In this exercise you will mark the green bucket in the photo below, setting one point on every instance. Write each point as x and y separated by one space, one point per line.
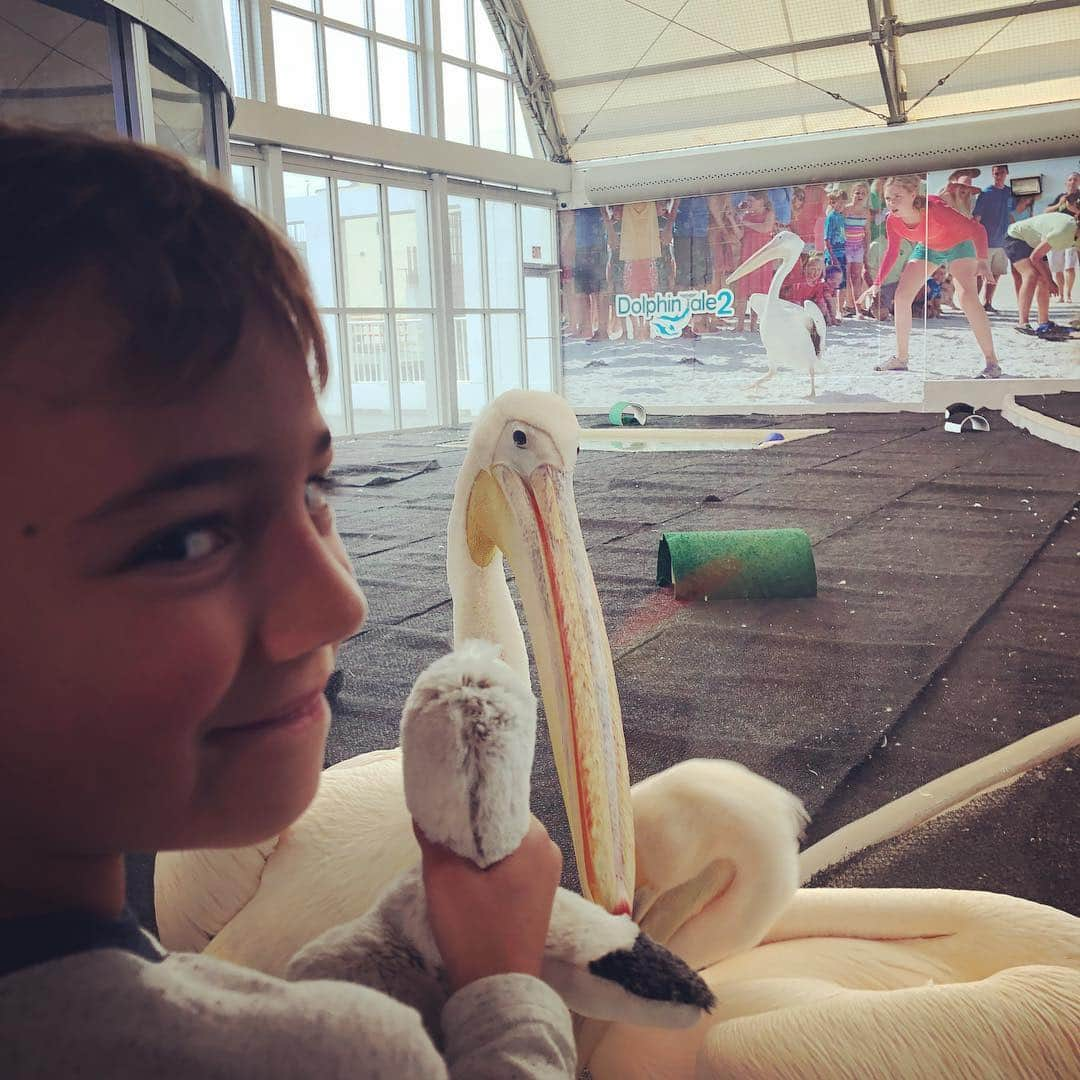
625 413
755 564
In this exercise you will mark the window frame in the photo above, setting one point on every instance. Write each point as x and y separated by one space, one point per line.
383 178
372 38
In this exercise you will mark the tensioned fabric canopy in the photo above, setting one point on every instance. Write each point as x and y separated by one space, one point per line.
645 76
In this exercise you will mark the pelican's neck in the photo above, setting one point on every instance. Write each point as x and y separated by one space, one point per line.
483 606
782 271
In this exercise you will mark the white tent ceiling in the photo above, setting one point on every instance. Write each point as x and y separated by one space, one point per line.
647 76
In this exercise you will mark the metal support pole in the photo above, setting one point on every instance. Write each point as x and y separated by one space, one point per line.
882 39
512 27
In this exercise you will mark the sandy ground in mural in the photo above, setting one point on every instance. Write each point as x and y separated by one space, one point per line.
716 369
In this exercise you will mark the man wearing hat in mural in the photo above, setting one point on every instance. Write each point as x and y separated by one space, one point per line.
994 208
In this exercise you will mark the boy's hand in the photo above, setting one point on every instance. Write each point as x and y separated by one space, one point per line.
493 921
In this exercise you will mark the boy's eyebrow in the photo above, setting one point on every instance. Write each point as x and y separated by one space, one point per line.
190 474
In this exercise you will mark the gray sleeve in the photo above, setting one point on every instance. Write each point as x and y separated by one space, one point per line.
508 1027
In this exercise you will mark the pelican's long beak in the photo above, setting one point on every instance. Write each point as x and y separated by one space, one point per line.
773 250
533 521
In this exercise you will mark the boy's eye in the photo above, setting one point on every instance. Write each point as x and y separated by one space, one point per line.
317 490
186 544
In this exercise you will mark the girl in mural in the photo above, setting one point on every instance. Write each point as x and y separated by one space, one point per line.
757 220
856 230
941 237
835 232
639 250
725 242
807 216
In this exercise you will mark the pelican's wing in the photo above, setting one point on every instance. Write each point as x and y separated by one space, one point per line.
816 326
1019 1022
757 303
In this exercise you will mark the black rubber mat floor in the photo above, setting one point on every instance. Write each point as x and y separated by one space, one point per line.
919 634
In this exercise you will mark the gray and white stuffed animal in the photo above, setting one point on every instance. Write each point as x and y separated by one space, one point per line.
468 732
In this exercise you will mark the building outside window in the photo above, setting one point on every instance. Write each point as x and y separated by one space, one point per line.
367 249
502 307
353 59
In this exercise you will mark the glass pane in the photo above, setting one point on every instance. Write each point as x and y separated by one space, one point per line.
455 28
295 62
331 403
307 5
347 75
410 254
457 110
539 355
55 66
505 353
369 373
536 241
243 184
416 364
466 278
361 244
522 143
399 99
180 90
234 33
489 52
396 18
350 11
537 307
503 265
469 360
491 112
307 221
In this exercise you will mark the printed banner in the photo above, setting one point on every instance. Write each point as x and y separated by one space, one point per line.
822 293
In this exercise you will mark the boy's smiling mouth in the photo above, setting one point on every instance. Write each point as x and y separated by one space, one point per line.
301 713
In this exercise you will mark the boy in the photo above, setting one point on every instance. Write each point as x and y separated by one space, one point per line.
175 592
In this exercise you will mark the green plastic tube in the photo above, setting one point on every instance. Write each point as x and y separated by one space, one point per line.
754 564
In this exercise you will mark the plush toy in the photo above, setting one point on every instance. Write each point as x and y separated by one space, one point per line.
467 736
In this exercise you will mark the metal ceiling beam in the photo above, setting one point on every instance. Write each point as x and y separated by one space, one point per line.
788 48
883 40
988 15
855 38
512 26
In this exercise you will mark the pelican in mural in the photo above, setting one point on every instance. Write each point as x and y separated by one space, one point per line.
793 334
809 982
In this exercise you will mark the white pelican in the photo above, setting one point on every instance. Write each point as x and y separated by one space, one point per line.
793 335
716 853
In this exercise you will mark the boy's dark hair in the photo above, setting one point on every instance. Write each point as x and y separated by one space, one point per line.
177 258
832 268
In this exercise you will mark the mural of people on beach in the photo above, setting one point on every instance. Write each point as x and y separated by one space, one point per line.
824 293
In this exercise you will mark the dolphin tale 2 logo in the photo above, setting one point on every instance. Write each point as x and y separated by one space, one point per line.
669 312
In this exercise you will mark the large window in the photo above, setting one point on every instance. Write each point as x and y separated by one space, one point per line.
182 96
502 317
55 67
355 59
366 246
480 104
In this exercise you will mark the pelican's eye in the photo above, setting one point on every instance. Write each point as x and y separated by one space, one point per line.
519 438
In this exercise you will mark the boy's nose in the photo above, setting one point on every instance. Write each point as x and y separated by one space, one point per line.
310 595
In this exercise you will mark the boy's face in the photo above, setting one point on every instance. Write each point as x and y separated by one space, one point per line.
150 642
